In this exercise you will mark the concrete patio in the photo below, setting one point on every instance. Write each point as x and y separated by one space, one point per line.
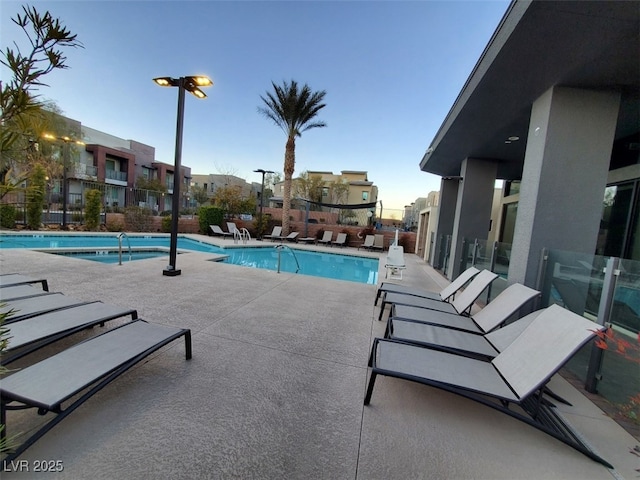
276 385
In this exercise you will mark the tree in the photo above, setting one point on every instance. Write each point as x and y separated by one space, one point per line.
17 97
339 191
293 110
309 187
199 194
152 184
24 118
229 198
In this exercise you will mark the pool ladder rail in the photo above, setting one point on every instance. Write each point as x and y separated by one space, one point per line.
241 235
279 248
120 236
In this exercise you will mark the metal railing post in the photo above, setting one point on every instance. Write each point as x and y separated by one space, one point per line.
611 274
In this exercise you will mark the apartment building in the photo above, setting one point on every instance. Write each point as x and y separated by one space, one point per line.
116 166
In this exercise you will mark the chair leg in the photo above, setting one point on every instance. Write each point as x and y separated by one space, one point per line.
384 304
372 380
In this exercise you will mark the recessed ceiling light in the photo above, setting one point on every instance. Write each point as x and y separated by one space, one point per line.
514 138
507 141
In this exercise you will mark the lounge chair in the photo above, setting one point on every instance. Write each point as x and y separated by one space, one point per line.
292 237
461 305
445 294
275 233
32 306
231 227
307 239
461 342
395 263
368 242
10 279
326 237
378 242
15 292
415 324
518 375
217 231
340 240
33 333
86 367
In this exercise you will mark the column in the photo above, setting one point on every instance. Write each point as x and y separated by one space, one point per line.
569 145
473 209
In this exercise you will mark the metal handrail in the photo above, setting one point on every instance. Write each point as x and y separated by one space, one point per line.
120 235
279 248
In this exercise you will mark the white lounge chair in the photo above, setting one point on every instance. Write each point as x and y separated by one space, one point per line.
326 237
518 375
217 231
340 240
461 305
275 233
378 242
406 319
368 242
445 294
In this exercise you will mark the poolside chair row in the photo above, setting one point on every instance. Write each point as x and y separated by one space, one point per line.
78 371
473 357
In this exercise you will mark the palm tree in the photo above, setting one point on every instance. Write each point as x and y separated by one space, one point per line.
293 110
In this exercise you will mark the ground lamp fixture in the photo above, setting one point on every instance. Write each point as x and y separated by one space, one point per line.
263 172
191 85
65 163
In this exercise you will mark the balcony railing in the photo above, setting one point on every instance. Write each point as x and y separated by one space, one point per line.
116 175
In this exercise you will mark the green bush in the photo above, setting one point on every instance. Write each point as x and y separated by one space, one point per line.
35 197
137 219
92 209
166 224
209 215
7 216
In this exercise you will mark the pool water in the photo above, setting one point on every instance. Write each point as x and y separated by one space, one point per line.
318 264
113 257
327 265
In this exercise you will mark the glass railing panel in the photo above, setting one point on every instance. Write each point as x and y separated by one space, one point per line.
482 254
620 366
502 259
574 281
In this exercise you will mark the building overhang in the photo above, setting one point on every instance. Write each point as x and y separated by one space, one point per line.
538 45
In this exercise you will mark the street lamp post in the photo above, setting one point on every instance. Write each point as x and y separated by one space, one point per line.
190 84
263 172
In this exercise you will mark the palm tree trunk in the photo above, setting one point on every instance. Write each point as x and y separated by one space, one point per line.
289 167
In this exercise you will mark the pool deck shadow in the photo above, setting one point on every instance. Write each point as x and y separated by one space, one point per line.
276 385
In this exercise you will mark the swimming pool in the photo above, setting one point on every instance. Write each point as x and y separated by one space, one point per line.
292 260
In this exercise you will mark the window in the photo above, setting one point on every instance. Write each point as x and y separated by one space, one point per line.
365 195
325 191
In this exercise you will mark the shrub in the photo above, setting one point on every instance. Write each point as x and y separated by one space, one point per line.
7 216
209 215
166 224
92 209
137 219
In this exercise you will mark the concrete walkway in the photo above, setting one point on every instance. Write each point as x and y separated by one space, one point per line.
276 385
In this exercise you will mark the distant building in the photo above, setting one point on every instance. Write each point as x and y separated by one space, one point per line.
361 190
213 182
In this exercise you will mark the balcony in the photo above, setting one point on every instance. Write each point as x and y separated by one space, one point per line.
85 172
115 177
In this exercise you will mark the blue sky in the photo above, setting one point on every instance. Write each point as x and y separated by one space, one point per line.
391 70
